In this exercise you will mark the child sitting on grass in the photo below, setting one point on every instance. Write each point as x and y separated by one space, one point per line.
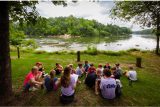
100 69
99 73
58 69
116 73
131 74
30 82
72 69
40 68
73 72
80 70
107 66
91 76
51 81
68 85
86 66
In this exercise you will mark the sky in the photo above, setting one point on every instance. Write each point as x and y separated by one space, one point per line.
99 11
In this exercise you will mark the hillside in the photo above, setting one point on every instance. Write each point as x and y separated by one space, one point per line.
72 26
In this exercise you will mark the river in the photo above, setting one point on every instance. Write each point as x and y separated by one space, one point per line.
143 42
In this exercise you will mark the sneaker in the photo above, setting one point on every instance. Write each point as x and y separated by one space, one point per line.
33 89
97 93
79 82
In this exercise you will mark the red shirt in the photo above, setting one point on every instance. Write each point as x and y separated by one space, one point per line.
91 69
28 77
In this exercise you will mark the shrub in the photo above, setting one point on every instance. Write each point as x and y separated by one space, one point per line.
133 50
91 50
40 52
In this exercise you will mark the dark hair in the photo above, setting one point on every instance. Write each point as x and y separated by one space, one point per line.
100 65
57 63
131 67
91 64
85 61
52 74
80 64
65 78
117 64
107 72
114 68
38 63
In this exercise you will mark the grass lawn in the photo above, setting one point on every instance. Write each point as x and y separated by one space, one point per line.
145 92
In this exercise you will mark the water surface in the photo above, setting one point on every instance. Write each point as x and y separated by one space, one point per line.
143 42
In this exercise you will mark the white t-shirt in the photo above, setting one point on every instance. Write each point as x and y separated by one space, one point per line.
132 75
101 70
68 91
108 87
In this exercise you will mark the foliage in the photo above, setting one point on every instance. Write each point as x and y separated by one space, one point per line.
16 36
146 31
30 43
144 12
25 11
72 26
133 50
91 50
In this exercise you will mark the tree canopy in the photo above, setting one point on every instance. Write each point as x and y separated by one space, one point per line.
145 31
146 13
73 26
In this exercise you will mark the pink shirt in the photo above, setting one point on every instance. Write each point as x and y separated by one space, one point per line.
28 77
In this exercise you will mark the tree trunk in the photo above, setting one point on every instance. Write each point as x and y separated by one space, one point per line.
5 62
18 52
158 33
157 47
78 56
138 62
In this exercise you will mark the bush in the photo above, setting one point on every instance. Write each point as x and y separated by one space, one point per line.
27 50
30 43
91 50
40 52
133 50
112 53
13 48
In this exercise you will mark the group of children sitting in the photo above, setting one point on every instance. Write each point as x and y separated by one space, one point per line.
105 79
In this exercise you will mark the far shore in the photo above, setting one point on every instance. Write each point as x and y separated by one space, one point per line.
65 36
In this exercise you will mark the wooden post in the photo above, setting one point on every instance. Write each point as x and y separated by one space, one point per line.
78 56
138 62
18 53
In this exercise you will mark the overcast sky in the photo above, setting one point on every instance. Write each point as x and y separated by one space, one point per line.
89 10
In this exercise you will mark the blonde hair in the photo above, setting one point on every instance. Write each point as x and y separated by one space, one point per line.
34 68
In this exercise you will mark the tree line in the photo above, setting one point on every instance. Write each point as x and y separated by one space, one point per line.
145 31
72 26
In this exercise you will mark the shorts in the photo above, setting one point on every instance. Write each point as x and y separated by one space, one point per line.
26 87
66 99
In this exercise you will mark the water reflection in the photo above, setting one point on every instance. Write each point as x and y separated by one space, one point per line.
81 43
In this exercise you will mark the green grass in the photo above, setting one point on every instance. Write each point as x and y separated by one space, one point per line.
145 92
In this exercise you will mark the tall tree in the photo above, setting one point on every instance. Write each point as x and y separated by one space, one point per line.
15 11
146 13
5 66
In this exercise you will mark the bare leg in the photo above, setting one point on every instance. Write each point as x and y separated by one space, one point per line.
97 87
